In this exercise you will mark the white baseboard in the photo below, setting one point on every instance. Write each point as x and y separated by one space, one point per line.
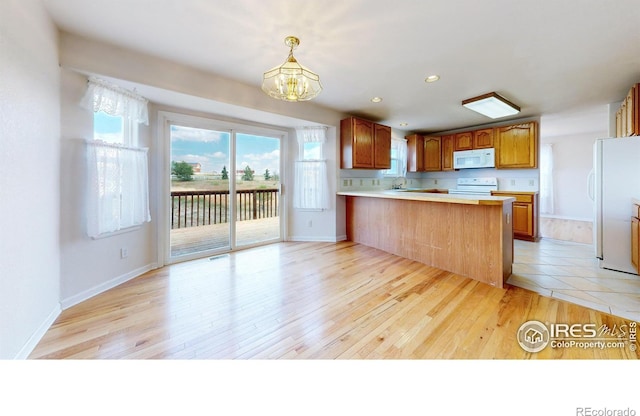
325 239
35 338
89 293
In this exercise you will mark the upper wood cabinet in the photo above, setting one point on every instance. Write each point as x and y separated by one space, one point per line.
415 153
463 141
423 153
364 144
628 115
477 139
483 139
382 146
447 145
432 154
517 145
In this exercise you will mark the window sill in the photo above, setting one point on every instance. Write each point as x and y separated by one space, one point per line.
114 233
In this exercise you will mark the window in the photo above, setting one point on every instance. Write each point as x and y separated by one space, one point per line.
311 187
114 129
118 196
398 159
546 178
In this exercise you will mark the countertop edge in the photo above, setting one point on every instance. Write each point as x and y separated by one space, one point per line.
441 198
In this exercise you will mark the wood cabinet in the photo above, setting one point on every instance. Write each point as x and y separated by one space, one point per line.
517 146
635 238
483 139
447 146
364 144
382 146
432 154
628 115
477 139
463 141
423 153
525 217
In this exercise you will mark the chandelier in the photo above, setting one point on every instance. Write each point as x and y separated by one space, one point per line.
291 81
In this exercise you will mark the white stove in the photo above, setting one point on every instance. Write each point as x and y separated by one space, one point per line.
475 186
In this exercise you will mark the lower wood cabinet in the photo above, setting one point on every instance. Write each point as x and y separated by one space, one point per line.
525 217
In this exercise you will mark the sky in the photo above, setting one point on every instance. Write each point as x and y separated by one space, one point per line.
209 148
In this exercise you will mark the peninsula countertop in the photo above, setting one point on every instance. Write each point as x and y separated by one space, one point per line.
412 195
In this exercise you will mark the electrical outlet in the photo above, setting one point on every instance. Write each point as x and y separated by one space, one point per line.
513 182
350 182
435 181
360 182
310 223
124 253
531 182
345 183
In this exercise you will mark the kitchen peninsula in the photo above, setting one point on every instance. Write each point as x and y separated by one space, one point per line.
468 235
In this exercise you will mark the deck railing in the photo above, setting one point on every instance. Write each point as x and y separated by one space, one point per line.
196 208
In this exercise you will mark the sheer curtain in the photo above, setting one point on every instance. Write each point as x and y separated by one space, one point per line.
311 186
118 178
398 158
118 188
546 178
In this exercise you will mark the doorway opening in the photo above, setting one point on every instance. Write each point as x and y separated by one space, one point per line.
224 188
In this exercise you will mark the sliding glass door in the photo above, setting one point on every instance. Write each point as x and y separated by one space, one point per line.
224 190
257 189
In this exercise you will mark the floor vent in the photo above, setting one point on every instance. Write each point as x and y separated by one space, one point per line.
218 257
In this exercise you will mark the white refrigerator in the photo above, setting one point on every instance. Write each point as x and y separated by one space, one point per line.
616 184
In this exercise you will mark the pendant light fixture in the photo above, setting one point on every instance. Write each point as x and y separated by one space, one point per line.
291 81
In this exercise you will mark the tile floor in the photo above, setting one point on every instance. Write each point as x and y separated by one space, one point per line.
569 271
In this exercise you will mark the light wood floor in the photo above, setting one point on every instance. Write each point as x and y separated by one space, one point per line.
310 301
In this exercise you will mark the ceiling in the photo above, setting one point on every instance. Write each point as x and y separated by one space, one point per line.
549 56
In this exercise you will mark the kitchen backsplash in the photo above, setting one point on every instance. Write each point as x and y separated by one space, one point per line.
508 180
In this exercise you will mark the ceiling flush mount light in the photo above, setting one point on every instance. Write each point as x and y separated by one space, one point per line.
491 105
376 99
431 78
291 81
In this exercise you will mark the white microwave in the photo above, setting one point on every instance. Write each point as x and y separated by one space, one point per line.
478 158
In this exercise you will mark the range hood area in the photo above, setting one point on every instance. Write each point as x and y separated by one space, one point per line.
474 159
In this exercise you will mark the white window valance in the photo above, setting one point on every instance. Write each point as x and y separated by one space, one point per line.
114 100
311 134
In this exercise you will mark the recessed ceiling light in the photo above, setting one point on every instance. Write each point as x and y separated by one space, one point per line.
376 99
404 124
432 78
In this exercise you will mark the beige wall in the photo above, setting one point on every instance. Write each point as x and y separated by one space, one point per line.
91 266
30 197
